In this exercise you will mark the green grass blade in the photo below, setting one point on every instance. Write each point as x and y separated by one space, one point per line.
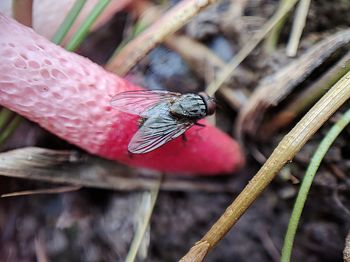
4 135
148 202
272 39
307 181
5 116
83 30
68 21
8 124
138 28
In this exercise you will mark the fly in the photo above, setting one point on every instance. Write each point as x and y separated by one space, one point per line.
164 115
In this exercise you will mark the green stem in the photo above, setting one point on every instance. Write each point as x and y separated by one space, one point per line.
10 128
148 202
138 28
68 21
307 181
272 39
5 116
83 30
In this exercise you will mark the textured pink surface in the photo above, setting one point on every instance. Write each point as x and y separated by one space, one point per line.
69 95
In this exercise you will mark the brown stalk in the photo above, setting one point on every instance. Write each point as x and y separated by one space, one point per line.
155 34
23 11
283 153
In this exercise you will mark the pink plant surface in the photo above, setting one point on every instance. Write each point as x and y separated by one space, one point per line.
70 96
48 15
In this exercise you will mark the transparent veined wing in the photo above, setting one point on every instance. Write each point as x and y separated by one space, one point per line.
139 101
156 131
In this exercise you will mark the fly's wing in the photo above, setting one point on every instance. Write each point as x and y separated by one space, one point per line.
157 131
139 101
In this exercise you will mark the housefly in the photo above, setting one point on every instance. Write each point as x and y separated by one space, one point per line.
164 115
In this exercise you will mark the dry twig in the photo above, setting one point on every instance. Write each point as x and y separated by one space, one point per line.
298 26
155 34
251 44
284 152
56 190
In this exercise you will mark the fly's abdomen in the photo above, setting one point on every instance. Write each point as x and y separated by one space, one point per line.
189 106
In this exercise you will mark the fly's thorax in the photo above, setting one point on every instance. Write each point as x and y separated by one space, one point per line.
189 106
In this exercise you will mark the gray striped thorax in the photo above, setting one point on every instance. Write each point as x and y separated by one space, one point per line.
189 106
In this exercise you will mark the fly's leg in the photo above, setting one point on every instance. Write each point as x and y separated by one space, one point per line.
199 129
141 121
184 138
130 155
199 124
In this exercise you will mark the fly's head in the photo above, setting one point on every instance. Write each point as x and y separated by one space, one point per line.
209 103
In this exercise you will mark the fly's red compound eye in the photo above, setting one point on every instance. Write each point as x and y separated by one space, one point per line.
209 103
211 106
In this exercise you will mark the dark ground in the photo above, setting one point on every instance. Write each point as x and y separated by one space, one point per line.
98 225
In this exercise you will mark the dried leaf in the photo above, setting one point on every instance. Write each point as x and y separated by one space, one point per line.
308 96
84 170
276 87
